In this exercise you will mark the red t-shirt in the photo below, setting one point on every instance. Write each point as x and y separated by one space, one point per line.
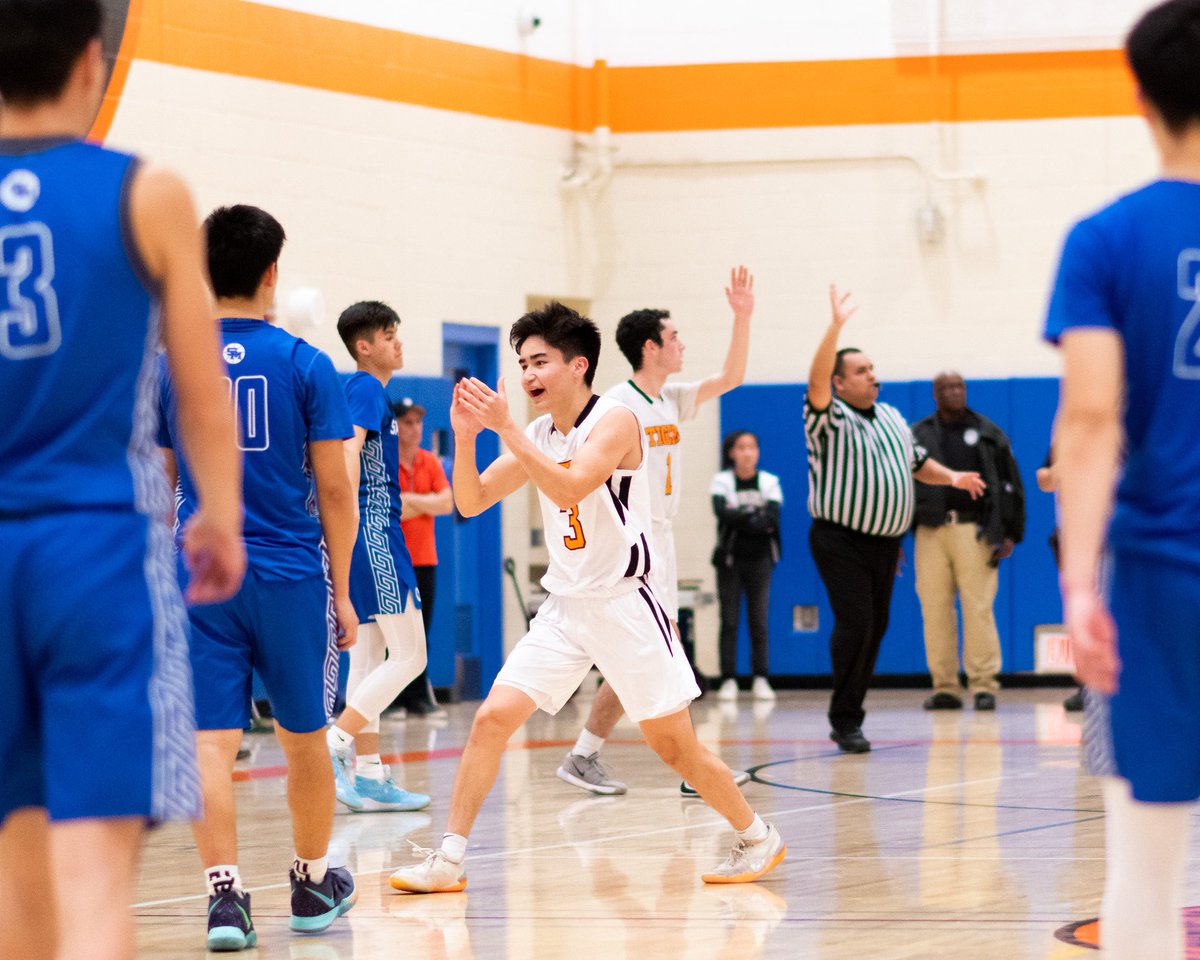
426 476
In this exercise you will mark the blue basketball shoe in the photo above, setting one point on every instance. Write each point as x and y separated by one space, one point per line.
343 781
229 924
386 794
316 905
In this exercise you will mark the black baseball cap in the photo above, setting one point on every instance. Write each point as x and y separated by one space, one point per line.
406 404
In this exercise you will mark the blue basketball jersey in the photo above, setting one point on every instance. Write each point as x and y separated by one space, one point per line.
286 395
1134 267
78 334
380 554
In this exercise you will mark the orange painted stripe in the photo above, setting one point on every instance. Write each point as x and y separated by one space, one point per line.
267 43
1010 86
116 83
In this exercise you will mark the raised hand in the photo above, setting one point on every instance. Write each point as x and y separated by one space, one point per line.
488 406
843 310
740 292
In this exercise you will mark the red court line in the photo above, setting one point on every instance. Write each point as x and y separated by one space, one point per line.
418 756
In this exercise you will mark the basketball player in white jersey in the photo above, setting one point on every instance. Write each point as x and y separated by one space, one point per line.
587 456
651 343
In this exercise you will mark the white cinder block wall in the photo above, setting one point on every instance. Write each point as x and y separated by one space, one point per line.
450 215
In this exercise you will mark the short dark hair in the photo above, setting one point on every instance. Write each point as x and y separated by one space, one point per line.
243 242
729 443
1163 50
635 329
359 321
839 363
40 43
569 332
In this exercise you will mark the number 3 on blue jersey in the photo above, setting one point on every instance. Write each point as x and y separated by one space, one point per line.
29 322
1187 343
249 397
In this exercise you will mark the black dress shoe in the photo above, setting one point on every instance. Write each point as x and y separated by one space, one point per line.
850 741
1074 703
985 701
942 701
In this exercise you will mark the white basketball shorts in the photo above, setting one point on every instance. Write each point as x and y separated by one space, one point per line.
629 639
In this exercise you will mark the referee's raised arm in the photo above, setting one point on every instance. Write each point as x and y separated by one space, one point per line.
820 374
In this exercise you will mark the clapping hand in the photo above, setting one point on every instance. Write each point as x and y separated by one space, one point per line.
488 406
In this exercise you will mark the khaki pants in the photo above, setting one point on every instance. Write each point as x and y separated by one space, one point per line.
951 560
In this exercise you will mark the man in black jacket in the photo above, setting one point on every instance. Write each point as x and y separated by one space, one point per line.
960 543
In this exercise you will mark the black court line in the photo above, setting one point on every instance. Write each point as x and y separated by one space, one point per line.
753 771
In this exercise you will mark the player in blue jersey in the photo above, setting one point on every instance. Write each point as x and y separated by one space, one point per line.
96 728
292 420
382 583
1126 313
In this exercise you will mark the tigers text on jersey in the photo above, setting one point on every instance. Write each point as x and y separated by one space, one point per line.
599 547
78 334
660 420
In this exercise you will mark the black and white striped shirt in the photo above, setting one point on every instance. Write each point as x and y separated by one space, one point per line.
860 467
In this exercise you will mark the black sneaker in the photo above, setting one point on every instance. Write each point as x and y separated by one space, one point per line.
985 701
850 740
942 701
1074 703
229 924
316 905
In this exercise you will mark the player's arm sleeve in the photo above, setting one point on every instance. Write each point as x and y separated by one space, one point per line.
685 396
328 414
1082 295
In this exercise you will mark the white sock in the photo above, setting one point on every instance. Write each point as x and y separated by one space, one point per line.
587 744
224 876
755 833
1147 846
370 766
339 740
454 847
313 869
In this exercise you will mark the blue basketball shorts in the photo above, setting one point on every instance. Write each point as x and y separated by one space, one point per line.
96 714
376 582
1151 725
285 630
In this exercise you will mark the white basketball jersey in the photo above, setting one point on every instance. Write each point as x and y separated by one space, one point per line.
600 546
660 419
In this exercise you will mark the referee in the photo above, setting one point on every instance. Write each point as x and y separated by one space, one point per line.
861 464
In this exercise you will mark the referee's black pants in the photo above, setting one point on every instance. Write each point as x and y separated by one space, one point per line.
859 571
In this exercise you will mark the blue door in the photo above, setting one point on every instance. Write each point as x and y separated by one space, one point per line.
475 581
